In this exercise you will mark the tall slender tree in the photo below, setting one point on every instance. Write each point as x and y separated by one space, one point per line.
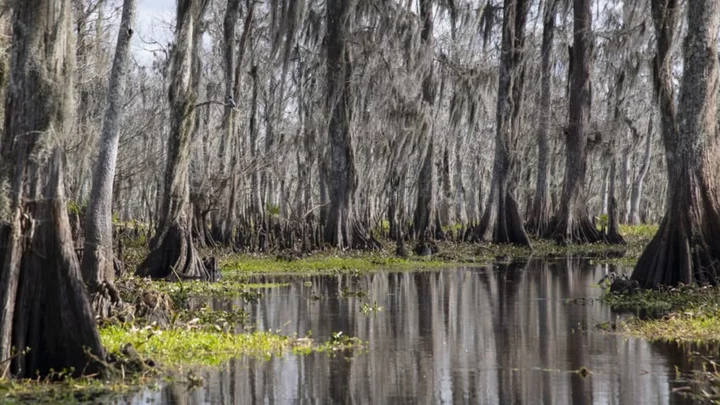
686 248
341 228
341 176
425 209
639 181
97 261
503 213
571 222
540 212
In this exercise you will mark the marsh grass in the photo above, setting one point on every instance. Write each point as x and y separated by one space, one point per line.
685 313
66 392
194 345
238 267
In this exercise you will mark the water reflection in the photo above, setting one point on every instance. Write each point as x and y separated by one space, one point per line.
513 333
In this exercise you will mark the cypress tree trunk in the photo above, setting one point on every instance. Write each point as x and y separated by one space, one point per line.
502 206
425 209
341 228
612 235
686 248
637 187
97 260
625 186
539 216
571 223
256 205
173 254
44 302
460 215
224 222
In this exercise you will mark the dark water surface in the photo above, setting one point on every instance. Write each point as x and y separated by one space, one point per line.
505 334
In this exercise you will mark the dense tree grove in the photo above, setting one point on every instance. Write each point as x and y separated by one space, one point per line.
406 135
306 124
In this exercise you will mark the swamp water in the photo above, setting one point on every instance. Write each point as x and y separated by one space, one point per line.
504 334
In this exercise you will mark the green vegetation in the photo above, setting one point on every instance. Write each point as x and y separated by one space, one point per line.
665 301
237 267
701 326
194 345
65 392
686 313
370 308
341 343
199 344
182 292
180 348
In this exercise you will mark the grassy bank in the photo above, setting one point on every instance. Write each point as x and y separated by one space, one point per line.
686 313
238 267
688 316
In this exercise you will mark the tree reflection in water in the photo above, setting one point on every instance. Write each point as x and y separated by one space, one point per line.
511 333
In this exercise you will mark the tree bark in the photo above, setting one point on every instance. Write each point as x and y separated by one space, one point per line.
686 248
540 212
224 223
508 225
341 228
571 223
173 254
604 191
97 259
637 187
41 287
445 213
256 207
625 173
425 208
460 215
612 235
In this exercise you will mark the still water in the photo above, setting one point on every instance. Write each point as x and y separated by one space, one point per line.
512 333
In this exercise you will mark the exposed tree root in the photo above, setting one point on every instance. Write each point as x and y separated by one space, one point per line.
362 241
154 307
400 250
509 225
482 231
613 237
680 253
176 258
579 230
426 246
538 222
105 301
